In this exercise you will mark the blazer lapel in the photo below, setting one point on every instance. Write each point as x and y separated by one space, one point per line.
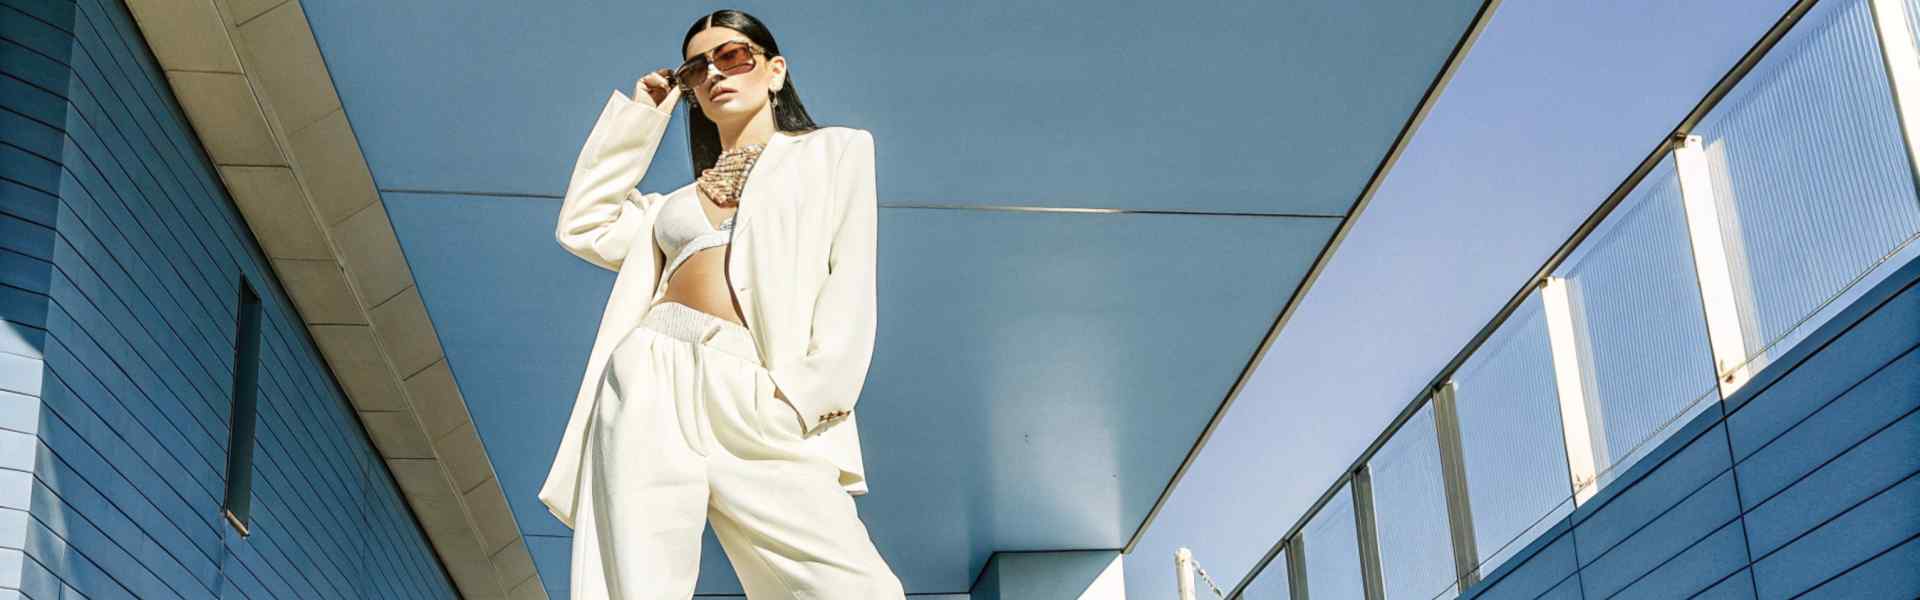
769 158
744 217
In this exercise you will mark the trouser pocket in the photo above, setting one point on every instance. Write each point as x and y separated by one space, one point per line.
775 417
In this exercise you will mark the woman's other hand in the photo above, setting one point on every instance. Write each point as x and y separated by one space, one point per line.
654 86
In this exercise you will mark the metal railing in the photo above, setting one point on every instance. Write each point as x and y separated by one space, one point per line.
1789 189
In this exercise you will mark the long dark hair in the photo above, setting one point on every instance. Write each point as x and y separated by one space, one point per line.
703 137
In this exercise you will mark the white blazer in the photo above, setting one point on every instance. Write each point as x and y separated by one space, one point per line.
802 266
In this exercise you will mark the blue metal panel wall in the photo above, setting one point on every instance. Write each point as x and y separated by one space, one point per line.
119 284
1808 482
32 62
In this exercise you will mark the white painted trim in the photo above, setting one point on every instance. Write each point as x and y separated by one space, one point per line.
1583 446
1724 332
1903 68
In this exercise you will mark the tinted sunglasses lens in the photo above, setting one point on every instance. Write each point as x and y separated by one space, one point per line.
734 58
692 72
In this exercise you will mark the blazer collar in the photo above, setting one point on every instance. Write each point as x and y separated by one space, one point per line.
782 137
768 159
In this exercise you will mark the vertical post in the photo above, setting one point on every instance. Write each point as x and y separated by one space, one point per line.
1297 567
1584 436
1717 293
1183 572
1369 533
1453 473
1903 70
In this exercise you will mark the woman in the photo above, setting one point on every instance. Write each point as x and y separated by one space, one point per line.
722 382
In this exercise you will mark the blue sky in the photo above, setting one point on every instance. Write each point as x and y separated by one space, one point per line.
1554 106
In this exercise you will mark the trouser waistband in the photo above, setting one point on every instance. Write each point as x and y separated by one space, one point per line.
694 326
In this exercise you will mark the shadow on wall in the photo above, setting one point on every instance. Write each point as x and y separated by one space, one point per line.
1084 574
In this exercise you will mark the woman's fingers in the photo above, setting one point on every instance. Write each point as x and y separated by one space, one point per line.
654 85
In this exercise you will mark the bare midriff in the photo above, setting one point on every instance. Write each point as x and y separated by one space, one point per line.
700 282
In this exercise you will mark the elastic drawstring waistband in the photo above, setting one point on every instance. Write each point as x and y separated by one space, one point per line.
693 326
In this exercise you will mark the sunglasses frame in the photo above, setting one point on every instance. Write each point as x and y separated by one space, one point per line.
678 77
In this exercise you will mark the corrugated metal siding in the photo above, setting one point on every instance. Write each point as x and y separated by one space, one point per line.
133 278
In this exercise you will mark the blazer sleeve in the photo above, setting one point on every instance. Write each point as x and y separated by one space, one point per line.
601 207
824 385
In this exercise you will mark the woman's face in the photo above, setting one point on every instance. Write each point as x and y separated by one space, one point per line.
741 95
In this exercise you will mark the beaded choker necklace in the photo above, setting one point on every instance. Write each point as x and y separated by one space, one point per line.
728 176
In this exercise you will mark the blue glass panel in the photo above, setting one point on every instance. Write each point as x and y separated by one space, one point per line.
1510 437
1638 322
1410 513
1333 551
1269 584
1811 176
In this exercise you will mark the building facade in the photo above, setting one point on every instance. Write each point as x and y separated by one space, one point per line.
134 303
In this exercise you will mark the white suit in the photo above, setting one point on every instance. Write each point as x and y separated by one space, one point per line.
802 266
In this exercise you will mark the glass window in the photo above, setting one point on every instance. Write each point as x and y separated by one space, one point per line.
1810 176
246 365
1410 512
1270 583
1510 438
1638 326
1333 550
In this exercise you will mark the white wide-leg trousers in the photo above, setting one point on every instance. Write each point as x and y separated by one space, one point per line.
687 430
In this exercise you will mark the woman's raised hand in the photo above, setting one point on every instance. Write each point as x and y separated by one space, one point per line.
654 86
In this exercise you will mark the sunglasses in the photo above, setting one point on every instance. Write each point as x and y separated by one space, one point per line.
731 58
